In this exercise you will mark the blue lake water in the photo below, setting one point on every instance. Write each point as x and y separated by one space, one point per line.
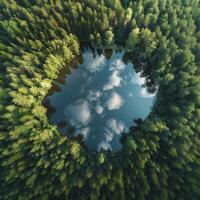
100 99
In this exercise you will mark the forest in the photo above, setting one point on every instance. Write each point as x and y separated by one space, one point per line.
160 157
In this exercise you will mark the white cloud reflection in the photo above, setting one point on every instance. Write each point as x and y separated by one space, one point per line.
94 64
117 64
116 126
136 79
144 93
113 128
108 135
104 145
114 102
85 132
114 81
130 94
94 95
80 113
99 109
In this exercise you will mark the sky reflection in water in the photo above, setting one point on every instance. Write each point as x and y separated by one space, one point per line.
101 99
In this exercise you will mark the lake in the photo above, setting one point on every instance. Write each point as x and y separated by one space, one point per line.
98 99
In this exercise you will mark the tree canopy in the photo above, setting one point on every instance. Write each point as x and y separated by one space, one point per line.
160 157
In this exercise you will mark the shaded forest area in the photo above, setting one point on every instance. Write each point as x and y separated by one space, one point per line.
159 160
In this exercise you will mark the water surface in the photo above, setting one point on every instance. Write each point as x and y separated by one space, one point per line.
100 99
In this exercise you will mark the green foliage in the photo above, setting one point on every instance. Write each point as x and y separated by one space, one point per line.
101 158
109 38
148 41
130 144
159 158
133 39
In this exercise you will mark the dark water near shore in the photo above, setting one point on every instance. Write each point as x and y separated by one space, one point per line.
99 99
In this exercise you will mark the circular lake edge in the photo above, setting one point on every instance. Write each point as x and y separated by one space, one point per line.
78 60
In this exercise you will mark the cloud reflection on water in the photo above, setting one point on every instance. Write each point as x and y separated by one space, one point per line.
101 98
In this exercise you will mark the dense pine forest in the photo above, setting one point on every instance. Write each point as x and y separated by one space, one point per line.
160 157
